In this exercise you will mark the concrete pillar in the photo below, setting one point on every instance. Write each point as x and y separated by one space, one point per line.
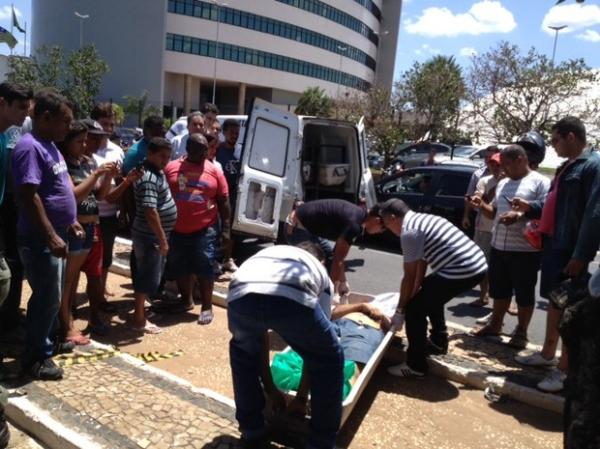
241 98
187 94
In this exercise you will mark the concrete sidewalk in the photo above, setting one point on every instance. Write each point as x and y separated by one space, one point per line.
121 403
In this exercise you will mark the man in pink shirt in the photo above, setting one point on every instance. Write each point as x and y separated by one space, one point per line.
201 195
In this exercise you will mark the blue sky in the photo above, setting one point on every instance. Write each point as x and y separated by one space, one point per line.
460 27
23 10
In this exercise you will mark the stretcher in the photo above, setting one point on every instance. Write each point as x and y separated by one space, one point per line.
358 387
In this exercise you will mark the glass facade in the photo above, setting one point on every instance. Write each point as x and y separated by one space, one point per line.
244 55
372 7
329 12
235 17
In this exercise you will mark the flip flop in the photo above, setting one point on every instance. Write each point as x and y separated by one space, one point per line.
485 331
479 303
206 317
148 328
513 310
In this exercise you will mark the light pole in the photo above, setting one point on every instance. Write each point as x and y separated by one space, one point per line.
82 17
218 4
556 31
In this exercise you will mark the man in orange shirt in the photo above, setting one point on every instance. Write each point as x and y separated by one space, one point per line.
201 195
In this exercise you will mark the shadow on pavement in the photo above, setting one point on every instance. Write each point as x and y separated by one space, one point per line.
534 417
430 389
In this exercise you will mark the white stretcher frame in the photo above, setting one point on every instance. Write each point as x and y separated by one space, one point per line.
366 374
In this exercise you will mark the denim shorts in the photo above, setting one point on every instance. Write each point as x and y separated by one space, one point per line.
193 253
80 246
359 342
150 264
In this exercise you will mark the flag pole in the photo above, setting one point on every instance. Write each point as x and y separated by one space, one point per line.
12 23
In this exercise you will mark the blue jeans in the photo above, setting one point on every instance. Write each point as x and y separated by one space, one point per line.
45 274
310 334
150 264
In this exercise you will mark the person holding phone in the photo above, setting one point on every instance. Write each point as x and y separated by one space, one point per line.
514 262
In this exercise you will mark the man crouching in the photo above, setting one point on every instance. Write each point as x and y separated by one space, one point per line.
285 289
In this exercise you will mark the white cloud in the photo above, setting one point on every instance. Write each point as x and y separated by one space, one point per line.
427 49
486 16
467 52
590 36
6 13
575 16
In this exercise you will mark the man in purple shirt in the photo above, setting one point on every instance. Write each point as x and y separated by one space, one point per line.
47 211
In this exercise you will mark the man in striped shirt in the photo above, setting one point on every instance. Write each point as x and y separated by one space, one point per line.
155 217
457 265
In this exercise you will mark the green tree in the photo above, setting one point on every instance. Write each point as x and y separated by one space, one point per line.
119 113
83 79
314 101
381 119
429 96
79 78
509 93
138 107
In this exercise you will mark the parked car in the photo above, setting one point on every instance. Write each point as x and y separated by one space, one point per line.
438 189
477 155
412 155
126 136
375 160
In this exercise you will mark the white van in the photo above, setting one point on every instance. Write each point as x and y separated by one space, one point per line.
285 158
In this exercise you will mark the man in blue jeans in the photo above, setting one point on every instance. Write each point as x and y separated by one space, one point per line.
285 289
47 211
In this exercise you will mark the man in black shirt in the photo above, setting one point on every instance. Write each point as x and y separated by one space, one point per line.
336 220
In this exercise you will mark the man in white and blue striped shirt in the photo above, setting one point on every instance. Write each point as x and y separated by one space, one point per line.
457 265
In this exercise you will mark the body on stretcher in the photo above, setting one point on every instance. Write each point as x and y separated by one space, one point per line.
362 377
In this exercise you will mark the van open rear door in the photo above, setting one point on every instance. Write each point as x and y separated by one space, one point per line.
367 186
271 138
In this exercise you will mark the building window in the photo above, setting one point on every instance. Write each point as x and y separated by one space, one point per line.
203 47
255 22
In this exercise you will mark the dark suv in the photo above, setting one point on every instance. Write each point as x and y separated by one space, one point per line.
437 189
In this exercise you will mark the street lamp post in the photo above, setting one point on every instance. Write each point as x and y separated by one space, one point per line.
218 4
556 29
81 17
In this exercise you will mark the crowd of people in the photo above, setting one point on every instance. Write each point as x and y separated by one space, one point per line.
66 188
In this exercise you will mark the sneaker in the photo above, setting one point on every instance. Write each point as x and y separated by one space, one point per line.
403 370
230 266
484 319
535 359
45 370
4 432
553 382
